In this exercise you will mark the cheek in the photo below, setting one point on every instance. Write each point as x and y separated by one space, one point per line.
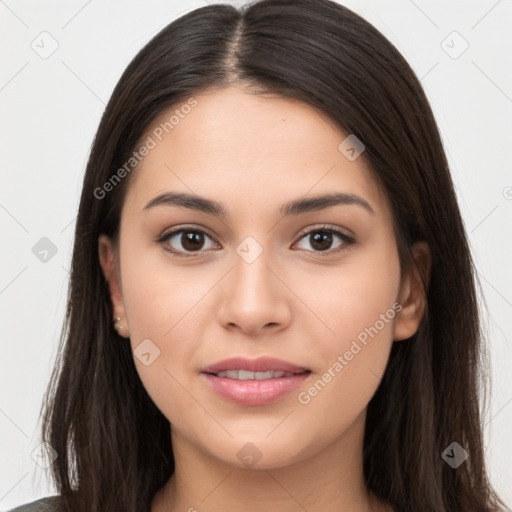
162 304
358 304
351 299
160 295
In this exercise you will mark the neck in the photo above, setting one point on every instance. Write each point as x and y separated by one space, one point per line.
331 479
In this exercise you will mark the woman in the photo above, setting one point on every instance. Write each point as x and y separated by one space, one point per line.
272 302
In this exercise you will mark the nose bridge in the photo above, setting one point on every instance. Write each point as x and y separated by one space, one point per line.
253 296
252 261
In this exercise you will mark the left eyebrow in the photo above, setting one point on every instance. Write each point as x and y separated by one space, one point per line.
295 207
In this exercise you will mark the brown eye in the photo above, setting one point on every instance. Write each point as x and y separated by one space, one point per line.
183 241
192 240
322 239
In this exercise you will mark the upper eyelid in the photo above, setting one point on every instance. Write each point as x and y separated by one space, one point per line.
174 231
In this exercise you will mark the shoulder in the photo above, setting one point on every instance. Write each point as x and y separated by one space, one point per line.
48 504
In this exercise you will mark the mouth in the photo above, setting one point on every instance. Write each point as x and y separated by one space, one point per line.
248 375
262 364
254 382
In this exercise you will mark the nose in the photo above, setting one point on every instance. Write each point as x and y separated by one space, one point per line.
253 297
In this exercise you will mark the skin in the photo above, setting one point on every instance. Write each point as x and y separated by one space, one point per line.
253 154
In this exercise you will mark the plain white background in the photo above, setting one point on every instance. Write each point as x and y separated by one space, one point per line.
50 111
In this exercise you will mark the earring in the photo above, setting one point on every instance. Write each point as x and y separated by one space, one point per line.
117 325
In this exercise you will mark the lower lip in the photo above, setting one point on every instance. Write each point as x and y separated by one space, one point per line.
255 392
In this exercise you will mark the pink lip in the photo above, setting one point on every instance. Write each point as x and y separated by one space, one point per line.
254 392
261 364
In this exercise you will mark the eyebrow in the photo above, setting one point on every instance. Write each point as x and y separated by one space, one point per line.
295 207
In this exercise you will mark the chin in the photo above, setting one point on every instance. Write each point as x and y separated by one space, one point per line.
261 453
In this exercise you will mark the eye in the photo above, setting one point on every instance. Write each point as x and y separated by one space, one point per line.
191 240
321 240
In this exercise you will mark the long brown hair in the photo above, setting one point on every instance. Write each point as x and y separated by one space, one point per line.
113 444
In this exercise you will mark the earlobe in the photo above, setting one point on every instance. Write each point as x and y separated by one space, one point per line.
413 293
108 259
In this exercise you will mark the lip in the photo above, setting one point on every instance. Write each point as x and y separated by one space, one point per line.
254 392
261 364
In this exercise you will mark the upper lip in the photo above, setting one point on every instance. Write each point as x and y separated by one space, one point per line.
261 364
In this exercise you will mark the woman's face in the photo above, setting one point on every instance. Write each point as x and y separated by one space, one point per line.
257 283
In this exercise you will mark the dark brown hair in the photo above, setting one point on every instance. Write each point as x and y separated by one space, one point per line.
113 444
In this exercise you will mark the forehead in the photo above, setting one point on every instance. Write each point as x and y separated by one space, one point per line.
248 149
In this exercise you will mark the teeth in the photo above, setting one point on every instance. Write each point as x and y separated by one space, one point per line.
246 375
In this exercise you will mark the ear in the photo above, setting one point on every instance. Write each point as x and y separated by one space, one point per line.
412 295
109 261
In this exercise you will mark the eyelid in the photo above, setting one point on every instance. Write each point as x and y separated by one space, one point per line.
325 227
186 227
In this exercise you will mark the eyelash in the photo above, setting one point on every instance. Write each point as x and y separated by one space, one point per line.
347 240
